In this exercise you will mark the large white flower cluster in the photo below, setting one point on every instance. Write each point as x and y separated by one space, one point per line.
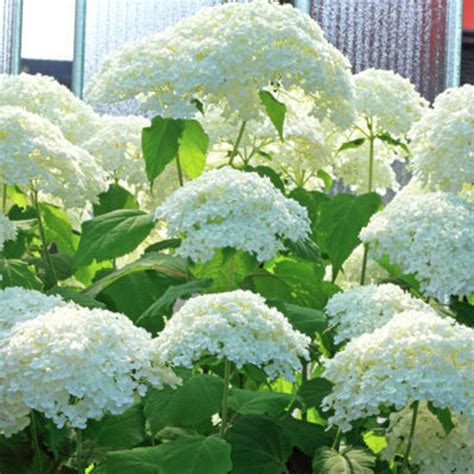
117 148
231 208
417 355
443 142
74 364
237 326
429 235
432 450
390 101
361 310
197 59
44 96
34 151
7 230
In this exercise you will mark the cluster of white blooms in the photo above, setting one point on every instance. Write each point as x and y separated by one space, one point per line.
34 151
75 364
197 59
361 310
417 355
352 166
432 450
231 208
44 96
429 235
443 142
117 148
390 101
349 276
7 230
307 146
237 326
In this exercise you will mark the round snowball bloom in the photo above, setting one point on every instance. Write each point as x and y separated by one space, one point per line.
44 96
7 230
389 100
434 451
429 235
237 326
231 208
417 355
74 364
34 151
117 148
361 310
227 54
442 142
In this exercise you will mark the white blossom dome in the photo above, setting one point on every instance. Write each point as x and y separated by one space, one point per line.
361 310
237 326
434 451
7 230
74 364
33 150
429 235
417 355
442 142
196 59
44 96
118 150
389 100
231 208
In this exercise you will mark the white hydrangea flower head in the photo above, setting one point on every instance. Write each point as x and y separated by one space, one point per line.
352 166
196 59
442 142
389 100
117 148
231 208
33 150
361 310
7 230
44 96
417 355
432 450
74 364
237 326
429 235
349 276
14 414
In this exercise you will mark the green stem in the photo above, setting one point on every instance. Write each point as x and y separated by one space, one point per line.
180 172
4 199
304 378
336 439
225 397
237 142
35 442
410 439
80 468
47 255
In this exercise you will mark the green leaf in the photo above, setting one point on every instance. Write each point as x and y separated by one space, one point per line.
193 146
199 105
348 461
160 143
117 432
16 455
152 318
58 229
163 245
306 320
321 174
259 446
18 273
62 265
275 109
339 222
387 138
267 172
114 198
74 295
195 455
313 391
352 144
188 405
444 417
464 312
227 269
305 249
172 267
112 235
134 461
375 442
248 402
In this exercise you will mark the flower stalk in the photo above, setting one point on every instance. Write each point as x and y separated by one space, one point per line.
406 456
225 397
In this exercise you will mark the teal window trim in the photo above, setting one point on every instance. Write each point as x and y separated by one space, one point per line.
79 47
